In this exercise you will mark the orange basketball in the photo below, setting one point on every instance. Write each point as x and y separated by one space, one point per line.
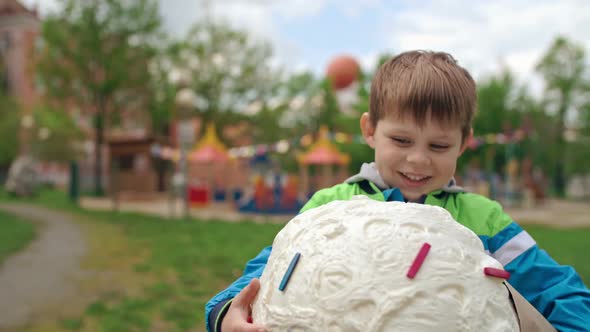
342 71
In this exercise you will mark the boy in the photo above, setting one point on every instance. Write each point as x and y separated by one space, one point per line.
421 108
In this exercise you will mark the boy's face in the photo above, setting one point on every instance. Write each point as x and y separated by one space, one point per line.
417 160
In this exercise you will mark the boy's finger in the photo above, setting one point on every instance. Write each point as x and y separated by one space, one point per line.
246 297
254 328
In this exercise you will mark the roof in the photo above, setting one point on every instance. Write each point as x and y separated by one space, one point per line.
323 152
209 148
13 8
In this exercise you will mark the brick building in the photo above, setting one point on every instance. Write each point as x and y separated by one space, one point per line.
19 35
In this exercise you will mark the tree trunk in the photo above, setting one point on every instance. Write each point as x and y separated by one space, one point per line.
559 180
98 142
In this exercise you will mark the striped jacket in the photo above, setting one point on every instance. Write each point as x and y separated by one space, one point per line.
556 291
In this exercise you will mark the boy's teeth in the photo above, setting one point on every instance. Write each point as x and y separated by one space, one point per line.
415 178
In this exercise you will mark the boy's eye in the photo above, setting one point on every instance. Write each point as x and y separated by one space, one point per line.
401 140
439 147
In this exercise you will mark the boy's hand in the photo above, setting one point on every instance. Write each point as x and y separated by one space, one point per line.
236 318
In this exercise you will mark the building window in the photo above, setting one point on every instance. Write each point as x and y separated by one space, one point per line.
5 85
126 162
5 42
4 81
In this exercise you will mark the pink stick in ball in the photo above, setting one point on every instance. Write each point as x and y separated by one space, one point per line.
418 261
498 273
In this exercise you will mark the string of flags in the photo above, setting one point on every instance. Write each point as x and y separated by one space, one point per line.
501 138
285 145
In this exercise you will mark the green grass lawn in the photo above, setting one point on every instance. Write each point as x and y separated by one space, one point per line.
566 246
189 262
15 234
177 265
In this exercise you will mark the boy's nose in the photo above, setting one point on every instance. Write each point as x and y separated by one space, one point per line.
418 157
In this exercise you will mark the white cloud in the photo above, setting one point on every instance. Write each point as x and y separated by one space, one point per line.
257 17
483 36
291 9
368 61
44 6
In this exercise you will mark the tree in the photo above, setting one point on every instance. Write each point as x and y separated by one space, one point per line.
161 96
227 69
95 56
302 99
495 113
578 150
9 116
9 127
495 104
55 136
563 69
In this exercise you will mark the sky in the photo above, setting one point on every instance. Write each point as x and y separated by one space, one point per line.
484 36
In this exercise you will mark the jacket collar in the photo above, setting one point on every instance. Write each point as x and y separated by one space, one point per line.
369 172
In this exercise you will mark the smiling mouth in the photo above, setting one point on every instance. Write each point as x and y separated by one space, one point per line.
417 179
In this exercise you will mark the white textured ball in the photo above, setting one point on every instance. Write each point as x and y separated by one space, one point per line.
352 273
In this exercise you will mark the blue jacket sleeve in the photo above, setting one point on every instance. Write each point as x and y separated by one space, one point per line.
252 270
556 291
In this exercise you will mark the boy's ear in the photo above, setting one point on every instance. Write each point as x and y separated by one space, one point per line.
368 130
466 141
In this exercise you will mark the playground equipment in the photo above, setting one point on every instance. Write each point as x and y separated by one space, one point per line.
271 190
210 168
518 181
323 155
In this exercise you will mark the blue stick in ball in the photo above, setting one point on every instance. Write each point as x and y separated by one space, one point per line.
290 269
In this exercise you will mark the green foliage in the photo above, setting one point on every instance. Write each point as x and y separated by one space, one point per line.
495 107
55 136
578 157
9 118
97 49
564 69
227 68
499 110
15 234
303 98
359 153
95 55
541 145
161 98
9 127
330 112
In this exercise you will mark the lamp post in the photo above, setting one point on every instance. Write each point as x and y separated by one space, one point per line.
185 101
27 125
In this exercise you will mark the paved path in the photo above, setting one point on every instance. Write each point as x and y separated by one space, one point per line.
162 207
42 273
557 213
